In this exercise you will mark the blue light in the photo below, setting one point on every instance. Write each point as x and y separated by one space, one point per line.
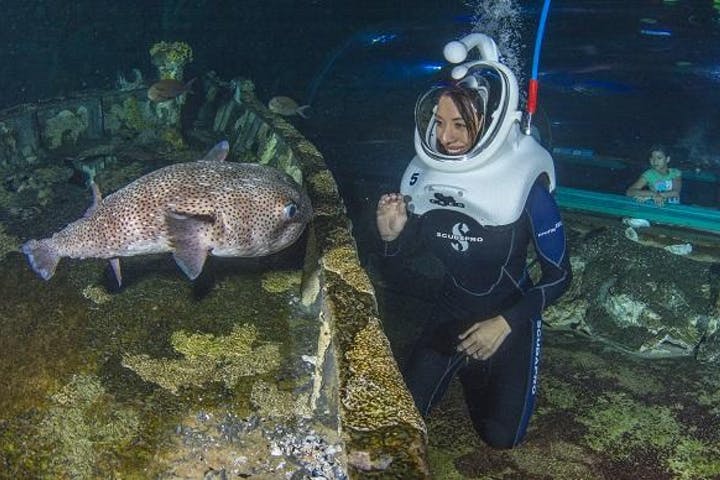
431 67
652 32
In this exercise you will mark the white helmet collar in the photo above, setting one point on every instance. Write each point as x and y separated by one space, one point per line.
497 90
490 183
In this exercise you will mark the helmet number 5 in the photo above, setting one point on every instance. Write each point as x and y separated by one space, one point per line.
414 178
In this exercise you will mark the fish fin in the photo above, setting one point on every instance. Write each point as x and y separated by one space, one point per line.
218 153
188 85
305 111
190 247
97 198
42 257
115 265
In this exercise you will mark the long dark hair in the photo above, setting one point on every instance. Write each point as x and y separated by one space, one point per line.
469 104
658 147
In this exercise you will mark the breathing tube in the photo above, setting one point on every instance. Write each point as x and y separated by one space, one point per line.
533 83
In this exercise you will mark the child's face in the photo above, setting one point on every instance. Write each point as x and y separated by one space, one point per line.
658 160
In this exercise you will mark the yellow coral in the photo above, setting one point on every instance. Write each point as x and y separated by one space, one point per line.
207 358
170 58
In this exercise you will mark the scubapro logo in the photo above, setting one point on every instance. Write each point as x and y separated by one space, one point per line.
445 201
460 240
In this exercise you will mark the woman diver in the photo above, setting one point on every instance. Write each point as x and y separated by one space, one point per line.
477 194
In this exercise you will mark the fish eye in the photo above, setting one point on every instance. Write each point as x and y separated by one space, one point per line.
290 210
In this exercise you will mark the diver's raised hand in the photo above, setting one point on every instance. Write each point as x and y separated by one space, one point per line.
391 216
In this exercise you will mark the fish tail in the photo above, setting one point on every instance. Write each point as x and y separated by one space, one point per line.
42 257
304 111
188 85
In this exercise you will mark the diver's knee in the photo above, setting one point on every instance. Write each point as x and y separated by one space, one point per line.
500 437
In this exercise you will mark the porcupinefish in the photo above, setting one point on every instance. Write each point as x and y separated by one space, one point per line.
191 209
288 107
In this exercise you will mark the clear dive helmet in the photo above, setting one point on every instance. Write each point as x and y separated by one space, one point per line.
487 87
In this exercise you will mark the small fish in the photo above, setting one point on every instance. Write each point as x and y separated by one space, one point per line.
288 107
167 89
191 209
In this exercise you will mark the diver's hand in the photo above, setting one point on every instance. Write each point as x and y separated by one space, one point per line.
483 339
391 216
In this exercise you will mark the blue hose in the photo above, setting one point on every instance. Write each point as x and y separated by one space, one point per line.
532 95
539 39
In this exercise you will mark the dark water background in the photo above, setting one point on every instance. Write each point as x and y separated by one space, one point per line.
616 76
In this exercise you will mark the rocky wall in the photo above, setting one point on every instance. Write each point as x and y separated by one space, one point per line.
383 432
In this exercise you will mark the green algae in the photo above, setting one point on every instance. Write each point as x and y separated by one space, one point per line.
710 399
207 358
84 424
631 375
557 394
556 460
96 294
269 151
8 243
635 380
58 330
620 426
443 466
695 460
281 281
584 361
271 402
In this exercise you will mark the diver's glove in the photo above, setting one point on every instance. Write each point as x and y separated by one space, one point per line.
482 340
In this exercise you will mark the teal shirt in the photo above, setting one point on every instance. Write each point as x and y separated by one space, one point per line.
657 182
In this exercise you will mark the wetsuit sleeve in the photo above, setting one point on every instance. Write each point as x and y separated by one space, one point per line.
407 242
548 235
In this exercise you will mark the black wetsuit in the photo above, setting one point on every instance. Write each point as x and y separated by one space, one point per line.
485 276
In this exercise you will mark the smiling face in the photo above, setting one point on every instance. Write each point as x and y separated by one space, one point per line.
454 134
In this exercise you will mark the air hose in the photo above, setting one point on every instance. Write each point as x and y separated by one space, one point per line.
533 83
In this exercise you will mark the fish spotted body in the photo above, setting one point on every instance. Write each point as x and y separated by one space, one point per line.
191 209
